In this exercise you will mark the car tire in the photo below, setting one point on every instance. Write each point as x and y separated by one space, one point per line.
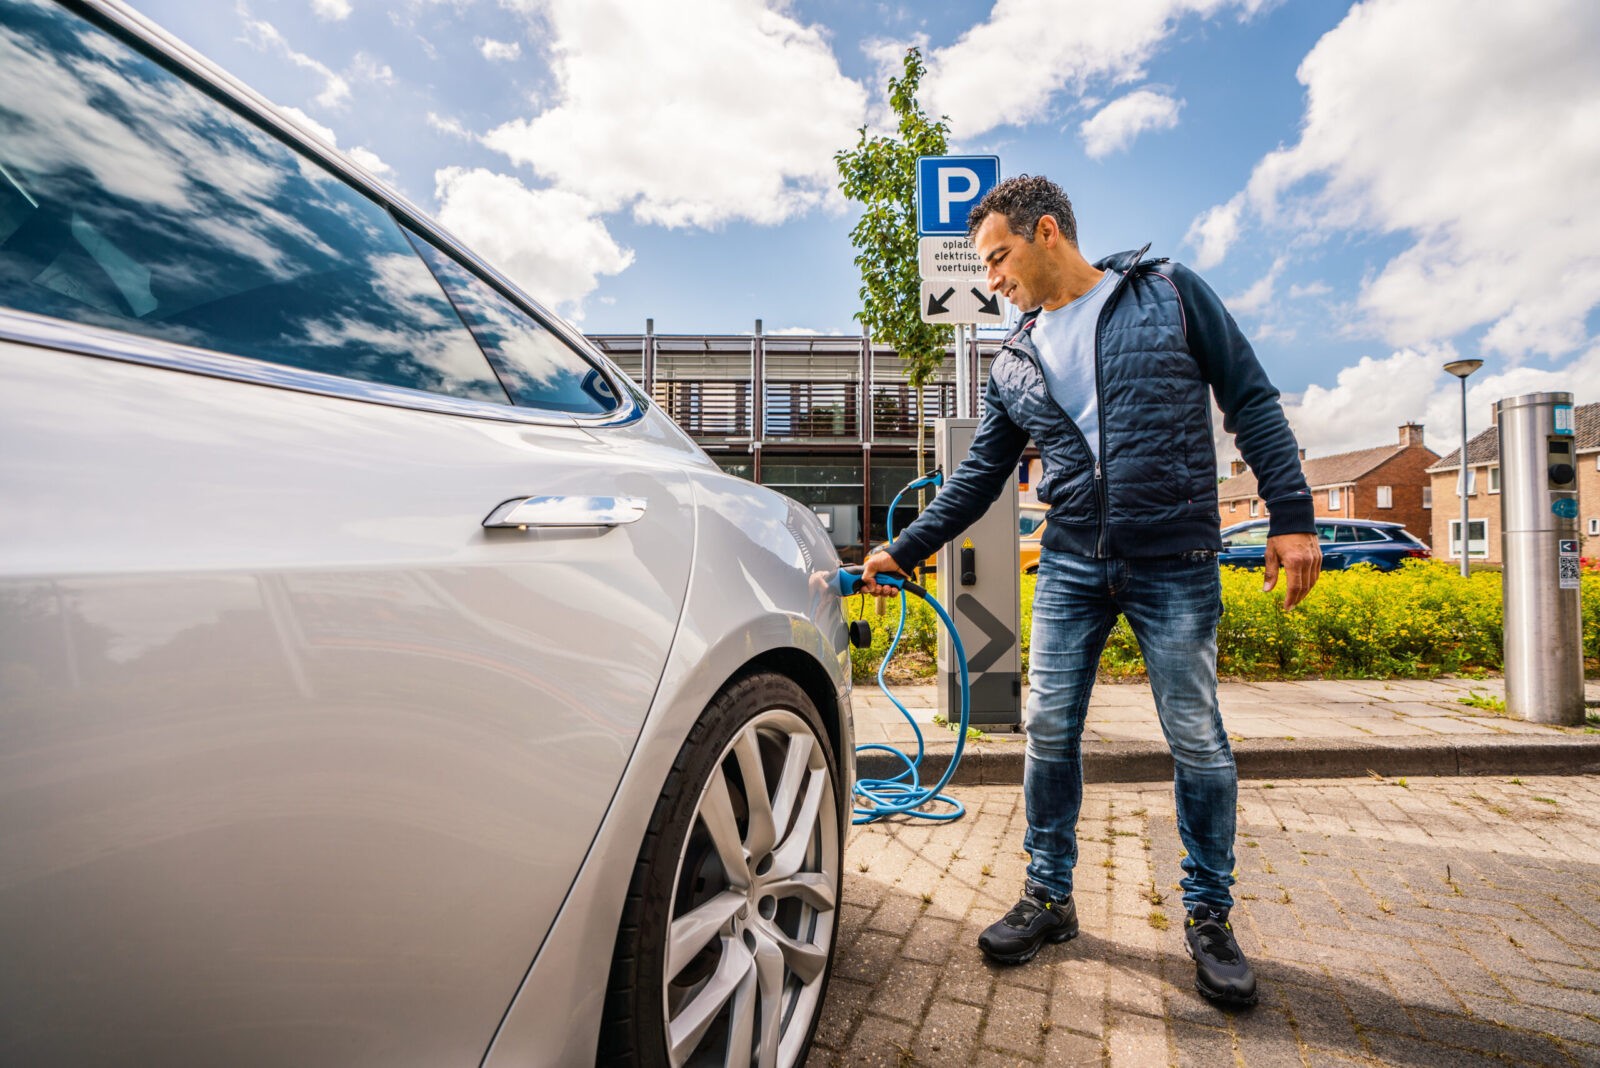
728 930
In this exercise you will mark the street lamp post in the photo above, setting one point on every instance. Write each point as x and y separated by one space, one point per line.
1461 369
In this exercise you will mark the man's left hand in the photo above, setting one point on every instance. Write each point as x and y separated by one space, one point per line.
1301 557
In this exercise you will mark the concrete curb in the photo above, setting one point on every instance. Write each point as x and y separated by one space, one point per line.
1267 758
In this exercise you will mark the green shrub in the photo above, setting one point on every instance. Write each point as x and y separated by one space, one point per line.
1421 621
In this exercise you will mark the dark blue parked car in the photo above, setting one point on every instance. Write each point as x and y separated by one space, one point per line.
1344 542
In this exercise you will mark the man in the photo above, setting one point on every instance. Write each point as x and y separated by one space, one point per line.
1108 373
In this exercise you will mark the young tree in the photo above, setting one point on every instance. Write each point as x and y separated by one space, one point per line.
880 173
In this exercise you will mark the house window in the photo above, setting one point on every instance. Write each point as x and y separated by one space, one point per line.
1233 506
1494 479
1594 526
1427 496
1255 508
1472 482
1385 496
1334 500
1477 538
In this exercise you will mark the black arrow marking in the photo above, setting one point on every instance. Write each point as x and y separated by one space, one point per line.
936 304
990 304
1000 637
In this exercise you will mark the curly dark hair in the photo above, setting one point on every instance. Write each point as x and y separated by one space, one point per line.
1024 200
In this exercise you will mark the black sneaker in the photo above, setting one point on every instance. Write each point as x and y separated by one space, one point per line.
1033 921
1220 971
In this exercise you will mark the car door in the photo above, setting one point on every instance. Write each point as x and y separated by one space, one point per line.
298 758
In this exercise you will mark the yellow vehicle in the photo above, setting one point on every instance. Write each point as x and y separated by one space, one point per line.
1030 528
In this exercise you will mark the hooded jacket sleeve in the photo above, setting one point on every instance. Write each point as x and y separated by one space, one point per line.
970 489
1249 402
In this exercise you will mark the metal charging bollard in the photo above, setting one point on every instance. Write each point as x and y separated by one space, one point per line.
980 586
1539 542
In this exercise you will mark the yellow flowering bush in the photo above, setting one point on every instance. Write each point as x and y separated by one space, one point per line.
1421 621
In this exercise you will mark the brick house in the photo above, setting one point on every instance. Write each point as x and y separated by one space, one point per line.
1483 492
1388 483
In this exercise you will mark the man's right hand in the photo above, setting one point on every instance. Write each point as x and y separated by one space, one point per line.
880 562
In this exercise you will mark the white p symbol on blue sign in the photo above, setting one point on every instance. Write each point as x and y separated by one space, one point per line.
948 176
948 187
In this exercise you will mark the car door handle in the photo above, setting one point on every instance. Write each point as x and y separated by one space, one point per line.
566 511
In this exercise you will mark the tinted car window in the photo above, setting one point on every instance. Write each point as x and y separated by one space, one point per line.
538 368
1028 522
130 199
1251 536
1348 534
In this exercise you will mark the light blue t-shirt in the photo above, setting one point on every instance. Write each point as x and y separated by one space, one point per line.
1065 340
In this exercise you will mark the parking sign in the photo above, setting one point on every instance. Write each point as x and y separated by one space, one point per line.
948 187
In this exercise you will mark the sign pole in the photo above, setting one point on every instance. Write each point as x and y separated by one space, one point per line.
961 372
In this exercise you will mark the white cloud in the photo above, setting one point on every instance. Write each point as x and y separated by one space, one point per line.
690 114
1370 399
499 50
1213 233
549 241
1008 70
1114 126
447 125
331 10
310 124
368 69
1310 289
265 36
1472 128
371 161
1259 296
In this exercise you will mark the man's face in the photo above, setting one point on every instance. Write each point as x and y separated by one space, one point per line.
1018 268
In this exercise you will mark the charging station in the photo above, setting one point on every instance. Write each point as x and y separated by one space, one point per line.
1539 544
980 587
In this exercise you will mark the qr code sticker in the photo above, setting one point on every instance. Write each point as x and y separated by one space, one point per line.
1569 572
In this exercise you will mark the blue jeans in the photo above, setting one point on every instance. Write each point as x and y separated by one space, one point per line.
1173 604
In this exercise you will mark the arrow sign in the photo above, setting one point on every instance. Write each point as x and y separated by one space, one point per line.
957 300
1000 637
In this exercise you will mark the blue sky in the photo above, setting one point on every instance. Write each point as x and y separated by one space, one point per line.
1373 188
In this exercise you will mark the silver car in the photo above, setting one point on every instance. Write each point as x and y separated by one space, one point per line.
383 679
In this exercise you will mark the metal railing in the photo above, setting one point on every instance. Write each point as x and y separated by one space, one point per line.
757 388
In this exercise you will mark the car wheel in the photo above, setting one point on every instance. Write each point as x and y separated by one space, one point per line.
727 935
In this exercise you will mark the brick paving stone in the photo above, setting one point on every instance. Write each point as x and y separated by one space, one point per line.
1068 1050
1562 1025
1373 1006
846 1003
1268 1041
868 958
1137 1042
877 1043
1202 1047
1443 929
966 977
1523 1047
1398 1049
931 939
950 1035
1015 1021
904 993
896 915
1078 996
1320 1017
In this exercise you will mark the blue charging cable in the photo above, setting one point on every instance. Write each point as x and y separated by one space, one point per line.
904 793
